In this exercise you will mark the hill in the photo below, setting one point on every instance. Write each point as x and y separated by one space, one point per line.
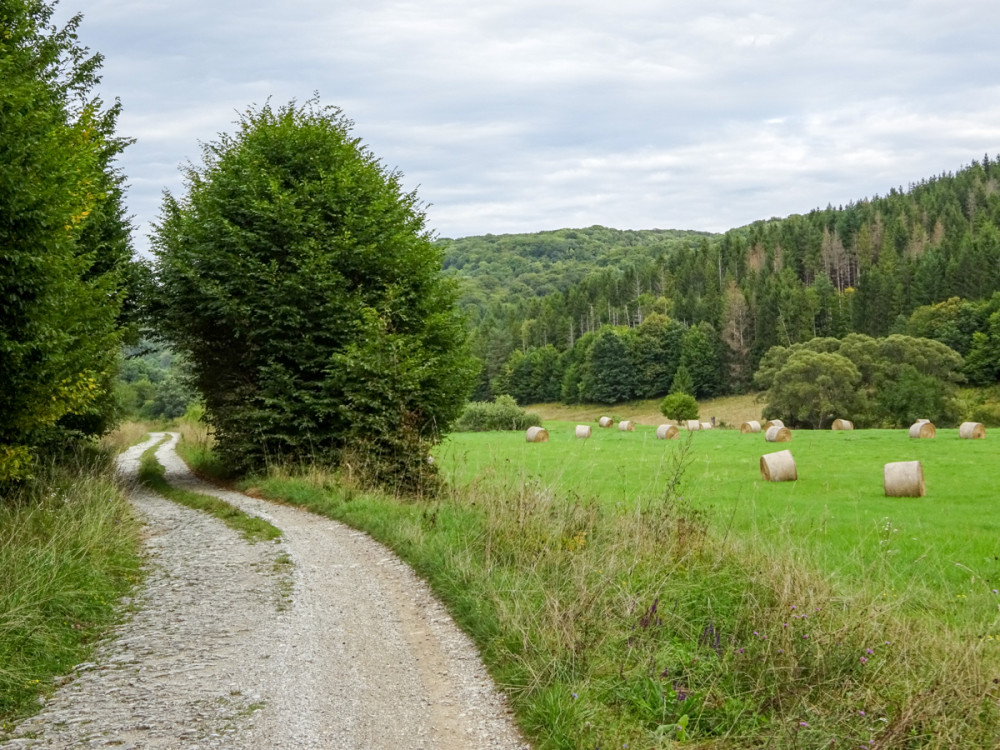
923 261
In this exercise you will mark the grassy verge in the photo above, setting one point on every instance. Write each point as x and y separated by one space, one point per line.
254 529
69 551
637 624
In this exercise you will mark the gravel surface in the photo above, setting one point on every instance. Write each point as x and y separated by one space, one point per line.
321 640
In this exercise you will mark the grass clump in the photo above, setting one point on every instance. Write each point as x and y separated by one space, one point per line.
254 529
637 623
69 552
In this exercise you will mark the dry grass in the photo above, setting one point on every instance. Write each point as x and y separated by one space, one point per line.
729 411
126 435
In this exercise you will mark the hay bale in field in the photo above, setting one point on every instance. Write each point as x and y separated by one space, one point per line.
903 479
583 430
537 435
626 425
778 435
922 428
778 467
706 425
752 426
605 421
842 424
667 432
692 425
773 423
971 431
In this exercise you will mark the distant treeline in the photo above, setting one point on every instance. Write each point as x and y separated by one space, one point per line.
555 313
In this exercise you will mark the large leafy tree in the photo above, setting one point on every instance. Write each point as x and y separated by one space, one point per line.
812 388
891 381
64 239
700 357
609 374
298 278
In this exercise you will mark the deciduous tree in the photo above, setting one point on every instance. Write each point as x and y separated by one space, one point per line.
299 279
64 239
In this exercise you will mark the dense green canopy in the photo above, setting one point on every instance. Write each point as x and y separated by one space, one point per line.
297 277
64 239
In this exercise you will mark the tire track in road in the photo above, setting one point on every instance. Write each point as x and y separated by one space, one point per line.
362 656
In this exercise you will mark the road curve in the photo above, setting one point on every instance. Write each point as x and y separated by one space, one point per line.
322 640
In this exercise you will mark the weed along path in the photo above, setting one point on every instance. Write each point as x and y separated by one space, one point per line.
322 639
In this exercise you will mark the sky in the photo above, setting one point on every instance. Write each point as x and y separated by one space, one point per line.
520 116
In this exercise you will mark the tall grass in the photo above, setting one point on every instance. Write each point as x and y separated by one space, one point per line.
69 550
126 435
639 624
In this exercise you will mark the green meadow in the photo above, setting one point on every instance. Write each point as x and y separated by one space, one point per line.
630 592
939 555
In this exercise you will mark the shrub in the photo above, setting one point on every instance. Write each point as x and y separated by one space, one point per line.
502 414
299 281
679 406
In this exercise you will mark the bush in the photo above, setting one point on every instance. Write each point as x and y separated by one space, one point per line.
300 283
502 414
679 406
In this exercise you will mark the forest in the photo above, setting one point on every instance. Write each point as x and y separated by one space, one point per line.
601 315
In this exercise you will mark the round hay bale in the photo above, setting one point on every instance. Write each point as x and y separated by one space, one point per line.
972 430
667 432
842 424
778 467
537 435
773 423
922 429
903 479
706 425
750 427
606 422
626 425
692 425
583 430
777 434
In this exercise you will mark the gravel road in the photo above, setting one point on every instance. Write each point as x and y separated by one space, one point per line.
321 640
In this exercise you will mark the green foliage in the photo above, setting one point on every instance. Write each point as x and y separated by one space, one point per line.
700 357
923 262
811 388
656 354
502 414
682 382
608 375
532 377
299 281
679 406
878 382
153 384
64 239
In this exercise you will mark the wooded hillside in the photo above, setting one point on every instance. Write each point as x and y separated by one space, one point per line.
923 261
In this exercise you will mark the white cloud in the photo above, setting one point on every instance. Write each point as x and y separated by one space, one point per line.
521 117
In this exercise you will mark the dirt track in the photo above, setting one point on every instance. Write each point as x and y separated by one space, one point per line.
324 640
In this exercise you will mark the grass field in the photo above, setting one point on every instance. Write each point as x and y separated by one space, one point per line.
940 551
629 592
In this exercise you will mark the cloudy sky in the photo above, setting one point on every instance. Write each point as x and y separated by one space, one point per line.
519 116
